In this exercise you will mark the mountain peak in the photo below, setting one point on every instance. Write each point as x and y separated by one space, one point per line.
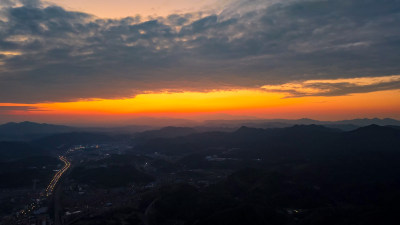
375 129
28 129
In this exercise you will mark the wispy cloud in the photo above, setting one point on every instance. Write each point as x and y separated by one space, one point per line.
336 87
11 109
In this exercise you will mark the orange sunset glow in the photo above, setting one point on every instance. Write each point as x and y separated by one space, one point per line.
260 104
96 62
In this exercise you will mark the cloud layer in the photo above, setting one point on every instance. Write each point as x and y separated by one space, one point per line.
50 54
336 87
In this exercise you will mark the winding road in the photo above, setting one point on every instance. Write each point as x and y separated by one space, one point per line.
54 190
57 176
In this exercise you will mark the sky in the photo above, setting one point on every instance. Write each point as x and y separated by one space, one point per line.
99 61
130 8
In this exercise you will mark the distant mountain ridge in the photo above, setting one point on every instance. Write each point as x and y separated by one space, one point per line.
280 123
275 140
30 130
32 127
366 122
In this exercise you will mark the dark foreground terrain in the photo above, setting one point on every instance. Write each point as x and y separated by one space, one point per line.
304 174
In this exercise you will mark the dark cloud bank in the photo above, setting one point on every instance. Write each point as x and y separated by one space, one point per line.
50 54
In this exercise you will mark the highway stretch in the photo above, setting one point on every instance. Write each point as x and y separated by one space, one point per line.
58 175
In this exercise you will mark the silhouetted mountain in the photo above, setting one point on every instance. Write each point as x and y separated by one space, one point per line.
345 125
29 130
309 129
166 132
260 123
299 142
375 130
243 136
366 122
